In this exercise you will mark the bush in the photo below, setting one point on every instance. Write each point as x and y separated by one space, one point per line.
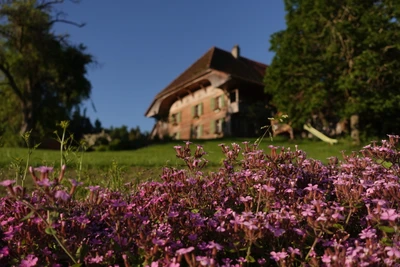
268 209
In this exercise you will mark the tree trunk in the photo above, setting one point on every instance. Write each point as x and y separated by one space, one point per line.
28 121
355 132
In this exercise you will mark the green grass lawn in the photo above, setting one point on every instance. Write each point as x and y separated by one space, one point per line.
146 163
164 154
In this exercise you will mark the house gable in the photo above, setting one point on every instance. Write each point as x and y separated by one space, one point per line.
213 75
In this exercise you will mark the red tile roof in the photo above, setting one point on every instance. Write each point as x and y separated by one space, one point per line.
220 60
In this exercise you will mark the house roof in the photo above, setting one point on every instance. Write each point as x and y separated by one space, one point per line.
215 59
220 60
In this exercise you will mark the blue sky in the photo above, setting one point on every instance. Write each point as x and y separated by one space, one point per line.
142 45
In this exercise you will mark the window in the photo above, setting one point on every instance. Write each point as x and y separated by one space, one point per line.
175 118
233 96
176 136
217 126
197 131
217 103
197 110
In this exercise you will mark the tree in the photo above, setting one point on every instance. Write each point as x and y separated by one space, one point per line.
338 59
42 74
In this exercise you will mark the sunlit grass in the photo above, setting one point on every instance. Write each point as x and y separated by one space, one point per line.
146 163
164 155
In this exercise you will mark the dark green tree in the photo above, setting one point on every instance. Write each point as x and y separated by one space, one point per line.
338 59
42 74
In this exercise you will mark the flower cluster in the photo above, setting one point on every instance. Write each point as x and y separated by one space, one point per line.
278 208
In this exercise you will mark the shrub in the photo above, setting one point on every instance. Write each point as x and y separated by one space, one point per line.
279 208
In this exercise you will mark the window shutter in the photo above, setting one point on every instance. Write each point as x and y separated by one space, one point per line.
222 101
200 130
178 117
178 135
212 126
193 111
201 109
212 103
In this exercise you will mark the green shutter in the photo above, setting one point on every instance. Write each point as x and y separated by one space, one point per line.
178 117
222 101
178 135
193 111
200 109
200 130
212 103
212 127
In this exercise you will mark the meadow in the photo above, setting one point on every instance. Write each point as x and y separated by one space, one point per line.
163 155
259 207
146 164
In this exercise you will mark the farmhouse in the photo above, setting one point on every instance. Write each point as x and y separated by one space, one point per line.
210 98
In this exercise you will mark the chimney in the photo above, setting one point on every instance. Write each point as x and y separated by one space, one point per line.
236 51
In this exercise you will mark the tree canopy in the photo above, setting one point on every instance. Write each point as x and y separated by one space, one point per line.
42 75
336 59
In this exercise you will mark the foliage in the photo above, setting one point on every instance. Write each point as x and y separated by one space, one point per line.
336 59
122 139
42 74
270 209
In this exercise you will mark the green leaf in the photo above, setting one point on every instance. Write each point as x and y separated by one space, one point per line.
250 259
81 252
77 265
338 226
28 216
386 229
50 231
387 241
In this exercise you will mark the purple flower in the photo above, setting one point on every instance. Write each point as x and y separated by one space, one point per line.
60 194
173 263
97 259
392 251
212 245
237 220
204 260
367 233
44 169
322 217
308 212
268 188
277 256
45 182
245 199
93 188
173 214
389 215
184 250
159 242
294 250
311 187
192 237
29 261
326 259
221 228
4 252
7 183
250 225
337 216
261 261
75 182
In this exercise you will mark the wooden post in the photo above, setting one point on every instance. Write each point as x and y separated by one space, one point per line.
355 132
